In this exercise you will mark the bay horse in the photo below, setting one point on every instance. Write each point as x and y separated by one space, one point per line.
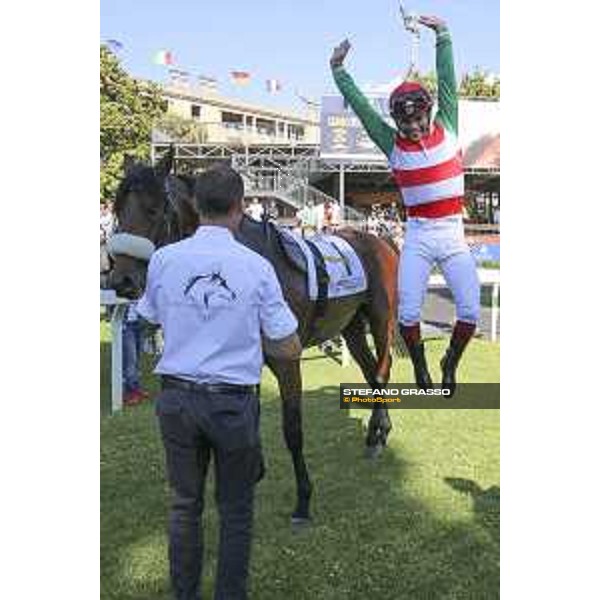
154 207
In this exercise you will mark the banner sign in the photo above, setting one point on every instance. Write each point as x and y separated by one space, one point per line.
343 137
342 134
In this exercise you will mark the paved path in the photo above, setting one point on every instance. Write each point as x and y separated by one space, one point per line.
438 315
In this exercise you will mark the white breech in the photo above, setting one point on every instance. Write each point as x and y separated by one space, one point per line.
429 242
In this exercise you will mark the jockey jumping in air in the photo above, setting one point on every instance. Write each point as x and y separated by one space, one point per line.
426 164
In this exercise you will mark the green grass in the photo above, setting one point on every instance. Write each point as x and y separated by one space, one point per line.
490 264
422 522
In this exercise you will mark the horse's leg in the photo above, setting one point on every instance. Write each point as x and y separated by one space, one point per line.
381 314
289 378
381 325
379 423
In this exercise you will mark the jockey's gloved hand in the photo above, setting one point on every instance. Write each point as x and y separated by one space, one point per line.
432 22
339 54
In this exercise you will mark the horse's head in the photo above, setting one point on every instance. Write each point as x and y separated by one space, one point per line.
152 208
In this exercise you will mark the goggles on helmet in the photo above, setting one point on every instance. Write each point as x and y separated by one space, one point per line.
410 105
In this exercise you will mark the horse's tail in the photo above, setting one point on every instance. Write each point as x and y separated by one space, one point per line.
399 348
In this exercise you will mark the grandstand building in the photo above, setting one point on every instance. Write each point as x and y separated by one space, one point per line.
231 121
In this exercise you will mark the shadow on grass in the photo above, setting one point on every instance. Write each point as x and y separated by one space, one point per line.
372 535
486 503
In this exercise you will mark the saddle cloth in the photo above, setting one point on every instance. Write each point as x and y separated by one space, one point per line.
345 273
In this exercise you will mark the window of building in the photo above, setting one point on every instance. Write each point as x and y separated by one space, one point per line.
195 108
296 132
232 120
265 126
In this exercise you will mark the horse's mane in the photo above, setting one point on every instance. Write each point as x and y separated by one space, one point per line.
143 177
138 176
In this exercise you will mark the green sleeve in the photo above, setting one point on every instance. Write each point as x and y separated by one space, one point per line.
447 113
379 131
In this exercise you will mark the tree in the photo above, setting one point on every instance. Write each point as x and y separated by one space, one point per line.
128 110
475 85
479 85
180 129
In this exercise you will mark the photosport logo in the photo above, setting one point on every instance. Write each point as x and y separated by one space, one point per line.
408 395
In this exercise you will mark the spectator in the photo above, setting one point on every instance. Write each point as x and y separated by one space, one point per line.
256 210
372 223
132 350
331 216
106 221
273 211
307 217
336 215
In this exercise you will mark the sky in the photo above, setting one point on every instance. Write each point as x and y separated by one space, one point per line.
292 40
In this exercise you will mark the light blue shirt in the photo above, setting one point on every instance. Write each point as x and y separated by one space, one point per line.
213 297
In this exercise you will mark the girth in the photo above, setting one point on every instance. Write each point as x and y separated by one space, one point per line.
322 279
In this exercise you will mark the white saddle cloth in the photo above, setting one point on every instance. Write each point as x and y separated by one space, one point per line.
345 270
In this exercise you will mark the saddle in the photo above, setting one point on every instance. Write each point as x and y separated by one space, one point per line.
298 260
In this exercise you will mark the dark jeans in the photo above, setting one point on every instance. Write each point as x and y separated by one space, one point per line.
132 351
193 426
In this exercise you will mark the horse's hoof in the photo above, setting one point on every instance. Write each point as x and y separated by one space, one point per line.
300 523
373 452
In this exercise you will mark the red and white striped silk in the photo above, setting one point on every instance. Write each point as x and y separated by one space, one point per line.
430 170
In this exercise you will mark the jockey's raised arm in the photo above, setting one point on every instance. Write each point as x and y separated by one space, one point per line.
379 131
447 113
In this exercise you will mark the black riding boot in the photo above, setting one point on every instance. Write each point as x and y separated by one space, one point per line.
412 337
417 355
461 335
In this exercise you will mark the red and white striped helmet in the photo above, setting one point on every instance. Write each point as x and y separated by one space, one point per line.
410 99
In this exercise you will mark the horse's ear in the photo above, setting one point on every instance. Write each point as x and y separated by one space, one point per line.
165 164
128 162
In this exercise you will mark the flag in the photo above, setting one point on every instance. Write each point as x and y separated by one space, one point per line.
273 85
240 77
178 76
114 46
206 79
163 57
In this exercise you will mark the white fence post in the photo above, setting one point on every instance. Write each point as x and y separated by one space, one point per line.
345 353
495 295
116 323
109 298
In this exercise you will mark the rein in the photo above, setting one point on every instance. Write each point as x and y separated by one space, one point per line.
170 211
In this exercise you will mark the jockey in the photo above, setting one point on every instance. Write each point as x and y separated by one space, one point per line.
426 164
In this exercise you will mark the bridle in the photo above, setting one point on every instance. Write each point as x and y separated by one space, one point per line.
171 218
166 229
